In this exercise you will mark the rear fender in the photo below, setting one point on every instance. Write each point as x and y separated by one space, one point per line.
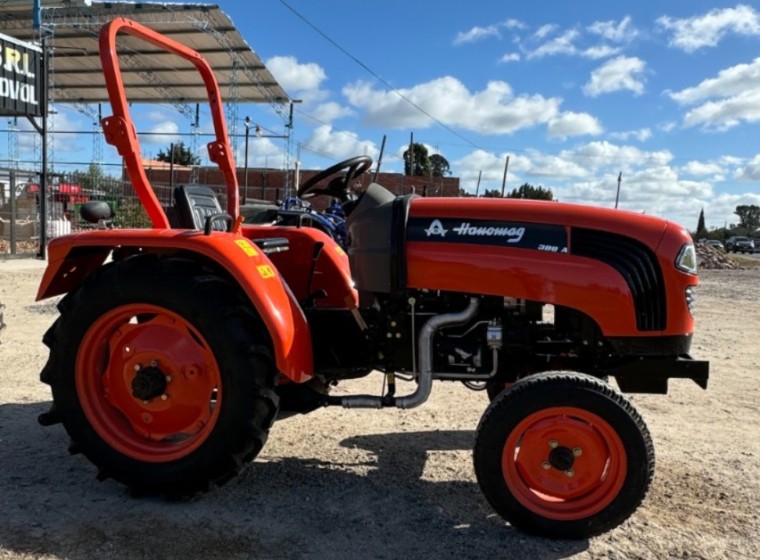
74 257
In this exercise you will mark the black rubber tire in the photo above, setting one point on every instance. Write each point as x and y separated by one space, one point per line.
236 339
535 393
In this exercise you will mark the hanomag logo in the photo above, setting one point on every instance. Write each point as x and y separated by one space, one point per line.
512 233
436 228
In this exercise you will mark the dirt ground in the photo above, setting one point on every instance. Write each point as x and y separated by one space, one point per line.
386 484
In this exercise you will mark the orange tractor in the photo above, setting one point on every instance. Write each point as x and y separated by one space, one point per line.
177 347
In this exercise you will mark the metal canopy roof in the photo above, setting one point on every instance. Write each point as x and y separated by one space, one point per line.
150 75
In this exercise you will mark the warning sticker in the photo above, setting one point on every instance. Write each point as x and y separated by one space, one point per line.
246 247
266 271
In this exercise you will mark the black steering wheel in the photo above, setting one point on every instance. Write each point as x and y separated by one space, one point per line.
340 186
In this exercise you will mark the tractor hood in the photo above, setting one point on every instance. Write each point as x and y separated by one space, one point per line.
618 263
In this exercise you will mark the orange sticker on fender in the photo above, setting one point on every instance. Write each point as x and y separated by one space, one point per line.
266 271
246 247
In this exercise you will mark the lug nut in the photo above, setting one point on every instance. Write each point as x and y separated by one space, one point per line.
546 465
168 378
570 472
154 363
553 444
164 397
577 451
137 367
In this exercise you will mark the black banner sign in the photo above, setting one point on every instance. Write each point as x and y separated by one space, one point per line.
541 237
20 78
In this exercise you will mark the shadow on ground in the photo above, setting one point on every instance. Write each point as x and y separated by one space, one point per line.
282 508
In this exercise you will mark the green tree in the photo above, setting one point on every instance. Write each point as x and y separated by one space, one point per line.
529 191
90 179
701 229
181 155
749 217
492 193
439 165
419 163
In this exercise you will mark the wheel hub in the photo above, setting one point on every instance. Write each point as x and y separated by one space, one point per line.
561 458
149 383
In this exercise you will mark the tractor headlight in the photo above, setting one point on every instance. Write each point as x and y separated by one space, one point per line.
687 259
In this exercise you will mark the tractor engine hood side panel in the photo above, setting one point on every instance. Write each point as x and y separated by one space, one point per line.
615 266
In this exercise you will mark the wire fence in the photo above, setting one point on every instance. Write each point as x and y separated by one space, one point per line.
21 208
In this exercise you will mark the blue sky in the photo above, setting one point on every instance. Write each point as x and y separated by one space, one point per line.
668 93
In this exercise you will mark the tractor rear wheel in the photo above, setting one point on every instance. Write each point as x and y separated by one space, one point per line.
563 454
162 375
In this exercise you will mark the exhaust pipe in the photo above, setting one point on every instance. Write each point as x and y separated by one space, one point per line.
425 376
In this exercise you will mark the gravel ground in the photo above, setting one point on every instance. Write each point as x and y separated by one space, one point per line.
384 484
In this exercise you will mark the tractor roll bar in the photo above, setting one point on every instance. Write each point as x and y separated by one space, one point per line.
119 129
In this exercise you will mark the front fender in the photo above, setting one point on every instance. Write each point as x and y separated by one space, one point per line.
73 258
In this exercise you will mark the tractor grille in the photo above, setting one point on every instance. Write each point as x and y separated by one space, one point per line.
636 263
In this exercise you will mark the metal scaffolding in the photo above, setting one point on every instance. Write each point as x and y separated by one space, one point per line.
71 28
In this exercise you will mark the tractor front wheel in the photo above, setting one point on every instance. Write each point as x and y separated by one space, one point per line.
161 375
563 454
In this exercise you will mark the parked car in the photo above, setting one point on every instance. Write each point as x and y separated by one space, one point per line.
714 243
740 244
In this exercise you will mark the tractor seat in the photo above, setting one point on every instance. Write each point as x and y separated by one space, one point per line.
197 207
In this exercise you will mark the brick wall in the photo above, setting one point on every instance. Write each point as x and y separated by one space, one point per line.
269 184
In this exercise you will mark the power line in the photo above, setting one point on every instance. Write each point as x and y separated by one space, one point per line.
378 77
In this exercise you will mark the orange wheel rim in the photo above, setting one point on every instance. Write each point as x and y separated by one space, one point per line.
148 383
564 463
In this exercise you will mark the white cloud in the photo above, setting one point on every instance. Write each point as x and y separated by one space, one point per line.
339 144
726 113
545 30
642 134
612 31
476 34
295 76
562 44
730 160
494 110
620 73
728 99
162 134
588 174
702 168
566 42
601 154
513 24
573 124
58 120
730 81
328 112
691 34
600 51
510 57
668 126
750 173
262 152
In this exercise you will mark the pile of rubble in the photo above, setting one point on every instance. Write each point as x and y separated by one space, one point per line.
709 257
21 247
